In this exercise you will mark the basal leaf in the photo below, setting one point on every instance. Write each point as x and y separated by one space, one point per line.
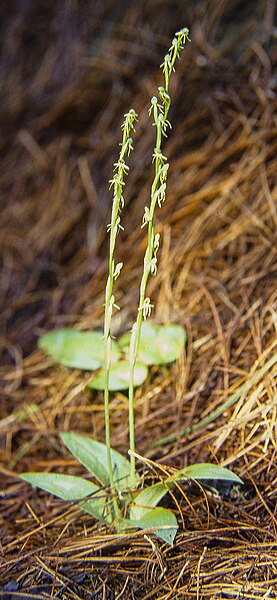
201 471
148 498
164 522
76 349
159 344
119 377
93 455
103 512
69 487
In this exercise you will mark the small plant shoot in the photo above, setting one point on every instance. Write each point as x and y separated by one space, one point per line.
117 495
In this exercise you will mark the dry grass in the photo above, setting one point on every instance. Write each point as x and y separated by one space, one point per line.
61 106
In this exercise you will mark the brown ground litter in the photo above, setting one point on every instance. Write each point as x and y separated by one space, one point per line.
69 70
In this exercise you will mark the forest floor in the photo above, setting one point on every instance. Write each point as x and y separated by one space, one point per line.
69 71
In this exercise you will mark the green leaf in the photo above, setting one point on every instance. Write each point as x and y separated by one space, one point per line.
148 498
151 496
77 349
203 471
158 518
93 455
69 487
159 344
119 377
103 512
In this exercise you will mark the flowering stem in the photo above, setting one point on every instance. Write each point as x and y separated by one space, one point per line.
159 110
117 183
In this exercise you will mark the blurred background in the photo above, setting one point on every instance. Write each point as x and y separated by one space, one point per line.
68 72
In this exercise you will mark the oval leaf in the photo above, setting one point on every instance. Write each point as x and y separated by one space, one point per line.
148 498
207 471
164 522
99 510
69 487
159 344
151 496
119 377
93 455
76 349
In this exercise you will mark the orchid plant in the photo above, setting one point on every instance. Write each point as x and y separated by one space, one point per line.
119 498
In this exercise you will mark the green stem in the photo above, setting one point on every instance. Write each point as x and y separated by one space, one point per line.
160 109
107 365
117 183
135 337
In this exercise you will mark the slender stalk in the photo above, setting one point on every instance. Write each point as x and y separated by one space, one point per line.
117 183
159 109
